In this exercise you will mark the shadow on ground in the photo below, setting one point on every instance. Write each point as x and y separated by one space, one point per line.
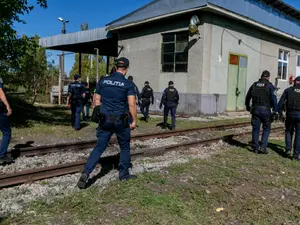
26 114
110 163
280 150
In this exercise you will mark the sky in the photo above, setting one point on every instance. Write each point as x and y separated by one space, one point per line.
97 13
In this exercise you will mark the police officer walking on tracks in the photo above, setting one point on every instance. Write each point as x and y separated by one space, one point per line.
136 89
291 96
117 97
74 100
5 112
263 99
170 100
86 102
146 98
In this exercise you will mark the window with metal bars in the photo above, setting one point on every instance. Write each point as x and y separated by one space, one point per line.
175 48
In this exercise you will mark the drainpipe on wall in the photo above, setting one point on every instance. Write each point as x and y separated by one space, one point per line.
217 101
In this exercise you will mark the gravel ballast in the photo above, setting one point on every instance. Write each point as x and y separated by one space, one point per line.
14 199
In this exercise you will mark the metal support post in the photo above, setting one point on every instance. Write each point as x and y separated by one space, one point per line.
97 64
107 65
79 70
59 78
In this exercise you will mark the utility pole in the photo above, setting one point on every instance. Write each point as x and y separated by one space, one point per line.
97 64
91 73
61 60
60 76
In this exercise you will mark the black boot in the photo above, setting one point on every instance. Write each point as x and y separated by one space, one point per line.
124 174
82 181
127 177
6 159
288 152
296 158
264 151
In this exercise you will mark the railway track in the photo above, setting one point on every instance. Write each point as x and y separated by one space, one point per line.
46 149
12 179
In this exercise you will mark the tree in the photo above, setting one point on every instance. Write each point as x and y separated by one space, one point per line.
12 46
32 72
86 59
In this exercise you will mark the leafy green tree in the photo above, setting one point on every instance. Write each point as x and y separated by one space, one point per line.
32 73
12 46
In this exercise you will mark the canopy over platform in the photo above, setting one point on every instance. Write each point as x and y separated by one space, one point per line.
84 42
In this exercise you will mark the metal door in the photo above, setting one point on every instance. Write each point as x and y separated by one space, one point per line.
237 79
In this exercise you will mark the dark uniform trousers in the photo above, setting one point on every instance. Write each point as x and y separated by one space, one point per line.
170 107
105 130
293 123
6 133
145 107
75 117
260 115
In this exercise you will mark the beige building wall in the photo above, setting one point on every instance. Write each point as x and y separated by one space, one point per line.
203 89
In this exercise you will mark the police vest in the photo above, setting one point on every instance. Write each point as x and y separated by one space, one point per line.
76 92
171 94
261 93
293 102
148 92
87 93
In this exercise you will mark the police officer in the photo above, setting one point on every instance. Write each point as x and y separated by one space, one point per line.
74 100
5 112
291 97
86 103
263 99
146 98
170 100
117 97
136 89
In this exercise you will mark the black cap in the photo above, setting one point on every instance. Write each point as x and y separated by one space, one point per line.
297 80
171 83
147 82
266 73
130 78
76 77
122 62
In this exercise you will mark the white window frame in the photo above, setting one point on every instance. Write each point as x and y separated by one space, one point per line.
281 59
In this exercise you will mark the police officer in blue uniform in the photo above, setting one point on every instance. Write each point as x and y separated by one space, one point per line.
116 95
147 98
170 100
86 103
74 100
263 99
291 97
130 78
5 112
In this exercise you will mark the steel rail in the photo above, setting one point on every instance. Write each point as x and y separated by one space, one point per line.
46 149
29 176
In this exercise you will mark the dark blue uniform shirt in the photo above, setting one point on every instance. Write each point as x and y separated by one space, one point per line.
114 91
76 89
273 99
283 98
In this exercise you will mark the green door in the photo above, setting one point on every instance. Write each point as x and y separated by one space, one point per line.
237 78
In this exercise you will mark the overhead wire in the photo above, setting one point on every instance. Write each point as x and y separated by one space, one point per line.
247 45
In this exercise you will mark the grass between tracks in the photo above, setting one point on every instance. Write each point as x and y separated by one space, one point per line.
245 188
50 122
